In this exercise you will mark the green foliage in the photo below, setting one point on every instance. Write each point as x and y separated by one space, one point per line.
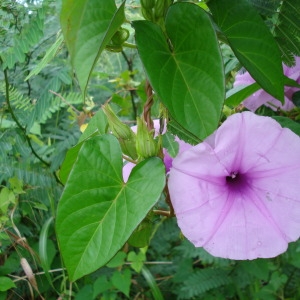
202 281
86 39
115 238
252 43
101 223
287 31
198 75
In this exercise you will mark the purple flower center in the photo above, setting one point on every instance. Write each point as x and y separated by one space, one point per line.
236 181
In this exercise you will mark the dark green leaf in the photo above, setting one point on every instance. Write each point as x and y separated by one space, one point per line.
98 212
88 26
252 43
185 67
296 98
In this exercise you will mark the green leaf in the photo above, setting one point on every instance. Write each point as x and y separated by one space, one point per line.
122 281
6 198
156 292
137 260
185 67
142 235
98 212
117 261
238 94
68 163
88 26
251 42
97 126
6 284
170 144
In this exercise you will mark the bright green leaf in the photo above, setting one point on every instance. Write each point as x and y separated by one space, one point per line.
98 212
97 125
6 284
6 198
122 281
137 260
185 68
88 26
238 94
251 42
170 144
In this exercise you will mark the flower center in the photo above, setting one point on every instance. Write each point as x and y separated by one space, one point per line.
236 181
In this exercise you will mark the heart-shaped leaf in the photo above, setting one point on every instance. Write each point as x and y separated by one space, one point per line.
185 67
251 42
88 26
98 212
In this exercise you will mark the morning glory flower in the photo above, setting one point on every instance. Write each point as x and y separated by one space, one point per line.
237 194
261 97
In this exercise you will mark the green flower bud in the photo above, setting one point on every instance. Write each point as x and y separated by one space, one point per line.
148 4
122 132
146 145
120 36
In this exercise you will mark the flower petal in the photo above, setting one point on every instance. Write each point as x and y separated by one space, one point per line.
253 215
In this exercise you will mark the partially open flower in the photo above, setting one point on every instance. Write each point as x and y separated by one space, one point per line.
261 97
237 193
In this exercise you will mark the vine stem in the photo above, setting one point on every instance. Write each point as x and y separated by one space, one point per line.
132 91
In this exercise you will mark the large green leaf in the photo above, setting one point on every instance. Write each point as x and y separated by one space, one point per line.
88 26
185 67
98 212
252 43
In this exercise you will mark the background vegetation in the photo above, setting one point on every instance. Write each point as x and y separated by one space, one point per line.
43 115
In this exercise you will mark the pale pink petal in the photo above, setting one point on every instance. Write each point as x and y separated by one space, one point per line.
261 97
237 193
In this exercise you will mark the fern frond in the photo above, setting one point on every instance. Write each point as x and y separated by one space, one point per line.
188 250
30 36
287 30
202 281
21 105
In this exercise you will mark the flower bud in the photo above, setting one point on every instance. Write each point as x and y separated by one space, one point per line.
146 145
122 132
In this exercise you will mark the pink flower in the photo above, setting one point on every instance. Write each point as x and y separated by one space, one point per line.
167 158
261 97
237 194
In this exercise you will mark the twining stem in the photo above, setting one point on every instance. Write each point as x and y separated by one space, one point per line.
148 105
132 91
